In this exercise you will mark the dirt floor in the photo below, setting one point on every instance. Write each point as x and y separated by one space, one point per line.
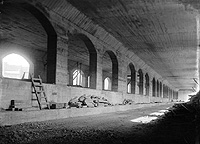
113 128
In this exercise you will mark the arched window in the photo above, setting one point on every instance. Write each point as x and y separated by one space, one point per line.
15 66
82 54
110 69
131 78
129 87
88 82
107 84
78 77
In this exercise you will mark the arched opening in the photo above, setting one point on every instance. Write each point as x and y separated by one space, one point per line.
15 66
140 83
161 90
158 89
153 87
146 84
82 55
51 41
107 84
27 28
110 69
131 79
78 78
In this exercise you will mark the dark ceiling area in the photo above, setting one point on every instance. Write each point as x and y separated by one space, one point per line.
163 33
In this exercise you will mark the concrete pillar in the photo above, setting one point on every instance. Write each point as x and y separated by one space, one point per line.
62 74
93 70
99 85
51 58
115 71
155 88
150 89
198 49
143 85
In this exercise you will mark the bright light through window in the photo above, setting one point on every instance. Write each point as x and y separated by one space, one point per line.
106 83
77 77
129 88
15 66
88 81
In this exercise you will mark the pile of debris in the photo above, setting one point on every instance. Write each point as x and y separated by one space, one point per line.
127 102
88 101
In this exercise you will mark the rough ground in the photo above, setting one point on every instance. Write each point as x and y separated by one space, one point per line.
113 128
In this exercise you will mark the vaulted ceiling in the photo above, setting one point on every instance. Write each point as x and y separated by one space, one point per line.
163 33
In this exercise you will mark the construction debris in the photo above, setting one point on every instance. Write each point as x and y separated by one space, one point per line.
54 105
14 105
88 101
127 101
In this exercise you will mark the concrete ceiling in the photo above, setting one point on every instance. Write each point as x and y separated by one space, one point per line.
163 33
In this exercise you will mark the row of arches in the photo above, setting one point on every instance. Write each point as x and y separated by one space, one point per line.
82 55
137 82
15 66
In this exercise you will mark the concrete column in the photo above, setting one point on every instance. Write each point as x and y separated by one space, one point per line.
99 72
122 75
150 89
198 49
115 71
155 88
161 90
62 75
143 85
93 70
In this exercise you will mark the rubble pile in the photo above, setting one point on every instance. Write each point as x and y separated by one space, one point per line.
88 101
127 101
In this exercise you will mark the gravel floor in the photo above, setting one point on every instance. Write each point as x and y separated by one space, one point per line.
114 128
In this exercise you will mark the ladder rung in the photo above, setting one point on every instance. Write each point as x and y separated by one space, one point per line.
44 103
38 92
38 85
36 79
37 82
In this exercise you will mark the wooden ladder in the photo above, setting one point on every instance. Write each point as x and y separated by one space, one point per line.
38 90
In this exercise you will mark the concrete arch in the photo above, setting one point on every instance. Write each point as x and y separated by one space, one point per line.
114 70
51 36
133 77
51 41
92 59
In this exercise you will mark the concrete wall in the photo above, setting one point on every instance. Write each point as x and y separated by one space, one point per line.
23 34
22 91
30 38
